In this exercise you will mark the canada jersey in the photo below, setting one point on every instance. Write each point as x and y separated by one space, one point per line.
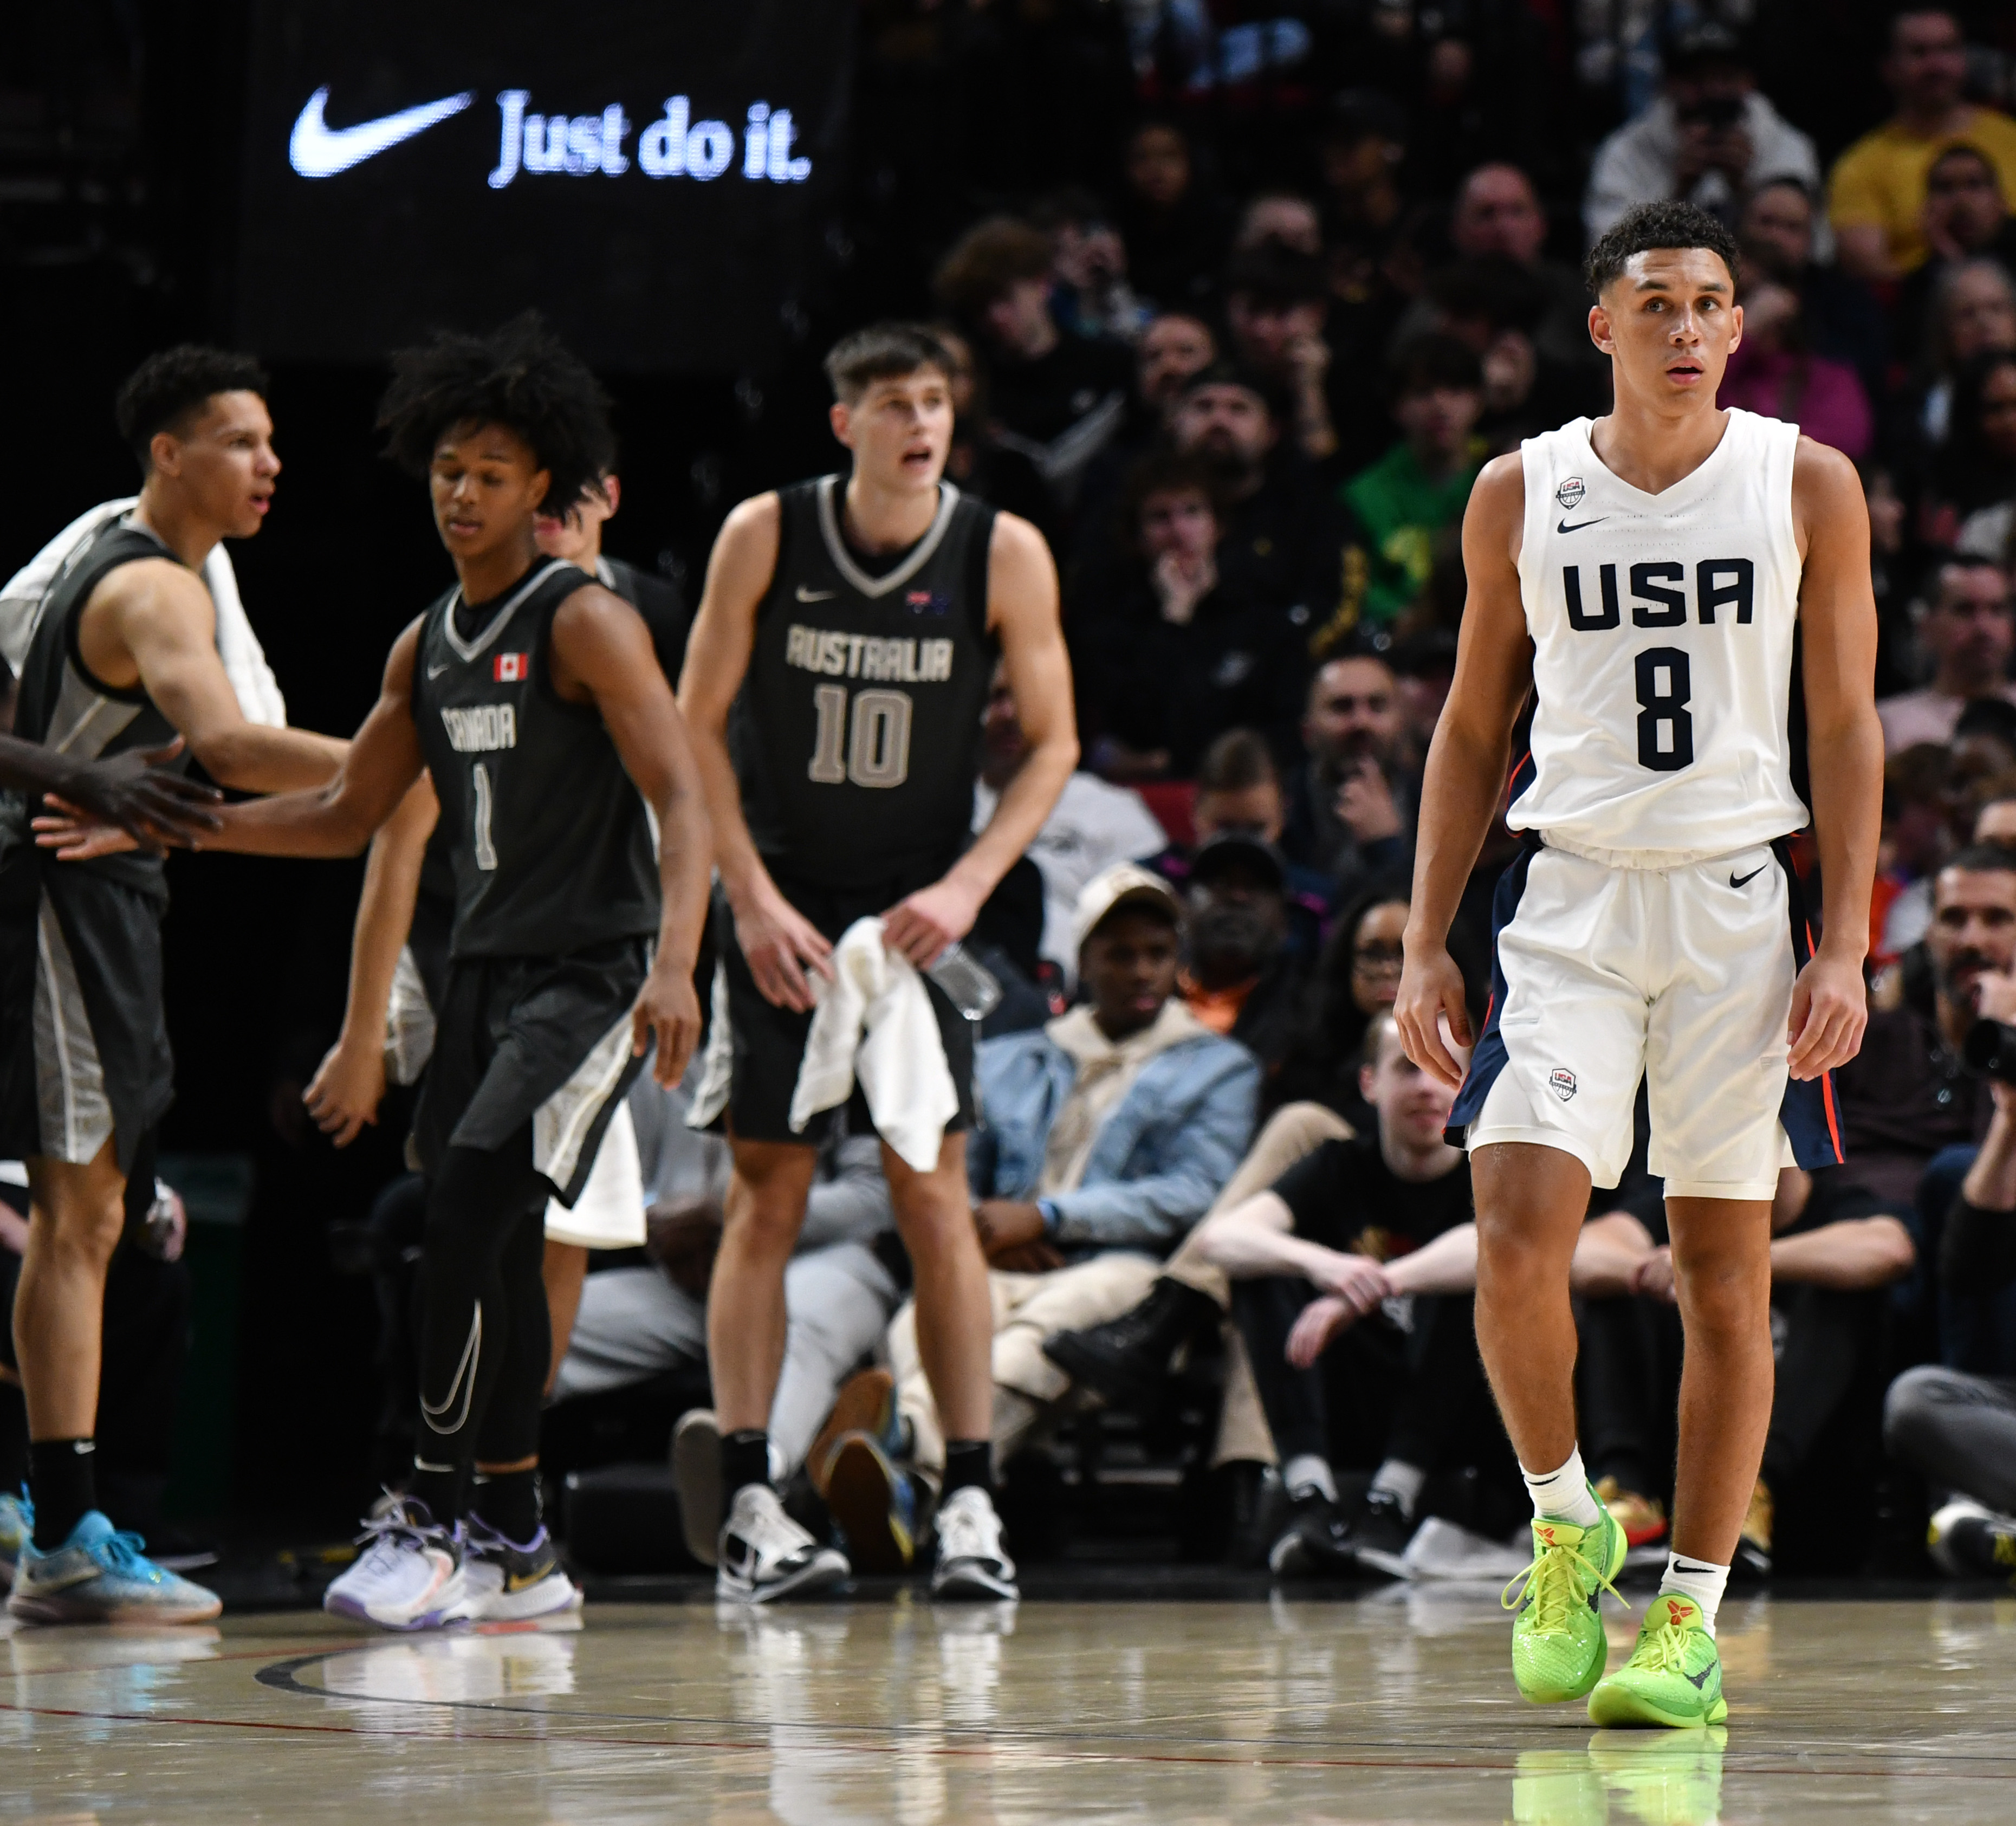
856 734
549 840
1662 629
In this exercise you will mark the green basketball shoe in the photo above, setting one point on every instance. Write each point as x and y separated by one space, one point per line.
1558 1649
1674 1675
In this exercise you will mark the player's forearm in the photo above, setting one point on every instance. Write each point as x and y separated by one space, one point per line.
686 873
1607 1251
1990 1184
743 874
1459 799
29 768
1027 800
385 911
256 759
335 820
1254 1238
1845 764
1850 1256
1446 1265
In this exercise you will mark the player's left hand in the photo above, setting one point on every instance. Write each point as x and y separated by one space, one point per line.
1006 1224
923 923
1315 1325
667 1006
344 1094
1829 1010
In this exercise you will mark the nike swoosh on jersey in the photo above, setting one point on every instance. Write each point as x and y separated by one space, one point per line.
1564 526
1737 881
436 671
317 149
816 596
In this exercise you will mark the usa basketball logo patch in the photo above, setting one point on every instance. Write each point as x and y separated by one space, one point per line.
509 668
1570 493
1561 1081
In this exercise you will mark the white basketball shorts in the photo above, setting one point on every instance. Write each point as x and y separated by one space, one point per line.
1682 977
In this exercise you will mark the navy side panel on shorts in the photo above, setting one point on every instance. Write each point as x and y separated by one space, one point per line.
1811 1112
1489 1058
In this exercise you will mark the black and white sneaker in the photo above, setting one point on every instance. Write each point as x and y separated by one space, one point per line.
504 1582
1376 1534
1316 1543
764 1555
1968 1541
971 1561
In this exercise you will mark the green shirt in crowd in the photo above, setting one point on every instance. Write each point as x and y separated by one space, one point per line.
1402 509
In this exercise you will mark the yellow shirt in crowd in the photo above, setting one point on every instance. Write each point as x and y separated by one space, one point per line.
1880 181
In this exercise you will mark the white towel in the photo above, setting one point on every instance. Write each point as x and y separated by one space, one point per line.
252 680
901 1062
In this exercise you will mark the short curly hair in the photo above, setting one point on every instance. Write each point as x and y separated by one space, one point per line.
1657 224
167 391
520 376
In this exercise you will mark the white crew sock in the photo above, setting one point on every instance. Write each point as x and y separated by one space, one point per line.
1306 1471
1699 1580
1563 1495
1402 1481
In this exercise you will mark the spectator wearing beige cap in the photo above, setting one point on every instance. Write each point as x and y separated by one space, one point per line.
1109 1132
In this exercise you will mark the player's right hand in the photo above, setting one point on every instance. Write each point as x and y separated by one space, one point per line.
780 945
1431 991
1315 1326
344 1094
134 792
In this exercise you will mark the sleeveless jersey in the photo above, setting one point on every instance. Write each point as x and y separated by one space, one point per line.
1662 629
551 844
61 706
856 734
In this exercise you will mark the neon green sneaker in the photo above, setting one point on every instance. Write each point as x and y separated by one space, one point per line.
1557 1647
1674 1675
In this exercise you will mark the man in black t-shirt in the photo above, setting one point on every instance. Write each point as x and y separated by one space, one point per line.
1836 1248
1354 1278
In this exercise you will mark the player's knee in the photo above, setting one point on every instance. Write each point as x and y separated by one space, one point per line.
763 1221
86 1230
1908 1405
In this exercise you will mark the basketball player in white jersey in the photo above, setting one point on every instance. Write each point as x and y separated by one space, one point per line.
1643 576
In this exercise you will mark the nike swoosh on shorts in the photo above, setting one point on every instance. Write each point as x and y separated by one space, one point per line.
317 149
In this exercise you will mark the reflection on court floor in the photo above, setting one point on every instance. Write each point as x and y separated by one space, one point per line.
1393 1708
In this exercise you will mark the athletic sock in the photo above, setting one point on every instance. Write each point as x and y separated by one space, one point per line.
1563 1495
968 1462
508 1501
1699 1580
745 1459
440 1487
1308 1471
1401 1480
63 1486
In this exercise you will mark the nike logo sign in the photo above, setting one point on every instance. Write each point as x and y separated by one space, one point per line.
1735 881
1564 527
1700 1680
436 671
816 596
317 149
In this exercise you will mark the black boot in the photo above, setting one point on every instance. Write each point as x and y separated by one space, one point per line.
1127 1359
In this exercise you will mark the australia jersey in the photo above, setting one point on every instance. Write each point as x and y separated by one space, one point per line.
856 734
1662 629
61 706
550 843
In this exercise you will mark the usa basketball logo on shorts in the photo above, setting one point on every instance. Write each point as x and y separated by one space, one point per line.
1561 1081
508 668
1570 493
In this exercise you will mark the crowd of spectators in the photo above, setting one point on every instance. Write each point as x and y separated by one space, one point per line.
1242 359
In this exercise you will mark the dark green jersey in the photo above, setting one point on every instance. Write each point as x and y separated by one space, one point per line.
61 705
856 734
551 842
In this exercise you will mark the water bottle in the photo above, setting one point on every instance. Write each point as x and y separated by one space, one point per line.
969 982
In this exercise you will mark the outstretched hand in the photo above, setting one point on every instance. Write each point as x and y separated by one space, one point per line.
135 792
345 1093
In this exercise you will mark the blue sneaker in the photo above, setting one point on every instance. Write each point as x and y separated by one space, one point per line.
873 1505
100 1575
17 1527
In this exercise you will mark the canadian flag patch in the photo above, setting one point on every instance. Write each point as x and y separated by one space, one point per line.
508 668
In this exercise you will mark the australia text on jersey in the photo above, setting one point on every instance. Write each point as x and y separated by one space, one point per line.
894 658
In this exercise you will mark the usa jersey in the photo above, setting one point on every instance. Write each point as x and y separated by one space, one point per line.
1662 629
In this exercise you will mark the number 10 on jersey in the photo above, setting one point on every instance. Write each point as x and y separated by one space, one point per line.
871 747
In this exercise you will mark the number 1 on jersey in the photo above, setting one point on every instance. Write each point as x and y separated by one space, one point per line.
879 754
479 822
